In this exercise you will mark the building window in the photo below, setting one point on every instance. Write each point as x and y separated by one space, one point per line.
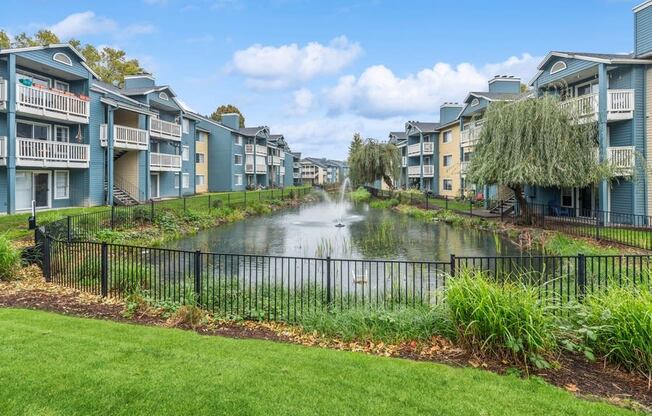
567 197
61 184
62 58
199 179
202 137
200 158
237 179
557 67
35 79
34 131
186 180
163 96
238 140
185 125
62 134
185 153
448 160
447 185
448 136
475 102
237 160
176 181
61 86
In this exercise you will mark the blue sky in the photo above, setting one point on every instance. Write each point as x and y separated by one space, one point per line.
317 71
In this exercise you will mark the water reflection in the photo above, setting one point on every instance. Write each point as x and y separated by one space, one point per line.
310 231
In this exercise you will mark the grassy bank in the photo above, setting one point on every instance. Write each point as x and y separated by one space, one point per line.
60 365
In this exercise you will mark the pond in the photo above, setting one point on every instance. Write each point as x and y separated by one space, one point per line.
368 233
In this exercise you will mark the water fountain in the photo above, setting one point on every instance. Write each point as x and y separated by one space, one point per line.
347 182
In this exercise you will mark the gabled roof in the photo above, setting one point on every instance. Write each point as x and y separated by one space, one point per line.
492 96
253 131
398 135
315 161
423 127
53 46
147 90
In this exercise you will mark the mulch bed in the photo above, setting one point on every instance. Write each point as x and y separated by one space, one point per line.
577 375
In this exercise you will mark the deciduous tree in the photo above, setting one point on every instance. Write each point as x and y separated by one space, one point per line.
227 109
374 160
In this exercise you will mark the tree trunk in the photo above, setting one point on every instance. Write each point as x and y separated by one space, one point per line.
388 181
525 218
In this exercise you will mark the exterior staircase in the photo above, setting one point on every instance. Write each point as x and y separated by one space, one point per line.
506 206
121 197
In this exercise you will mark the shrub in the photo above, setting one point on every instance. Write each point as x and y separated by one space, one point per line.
412 196
187 315
501 319
9 259
377 324
360 195
386 203
618 325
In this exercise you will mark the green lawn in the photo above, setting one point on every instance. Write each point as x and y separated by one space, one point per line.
16 228
56 365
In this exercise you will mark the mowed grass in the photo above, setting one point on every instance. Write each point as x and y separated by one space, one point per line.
57 365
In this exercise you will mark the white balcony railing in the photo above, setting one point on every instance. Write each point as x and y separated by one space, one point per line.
415 171
297 175
282 170
620 105
260 149
125 137
3 93
3 150
404 161
45 153
281 155
260 169
164 129
471 133
622 158
51 104
164 162
415 149
274 160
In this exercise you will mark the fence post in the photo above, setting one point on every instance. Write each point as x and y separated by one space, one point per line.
329 300
581 276
245 198
209 203
501 211
452 265
104 271
46 259
184 204
446 201
197 277
597 226
426 201
228 198
112 217
151 213
281 194
471 206
69 235
411 202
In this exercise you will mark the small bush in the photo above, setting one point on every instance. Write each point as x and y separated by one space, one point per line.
360 195
217 203
9 259
187 315
618 325
412 196
384 203
501 319
401 324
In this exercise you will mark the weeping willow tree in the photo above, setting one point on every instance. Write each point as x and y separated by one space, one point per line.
536 142
373 160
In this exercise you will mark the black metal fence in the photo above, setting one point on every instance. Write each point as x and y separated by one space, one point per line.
627 229
84 226
286 288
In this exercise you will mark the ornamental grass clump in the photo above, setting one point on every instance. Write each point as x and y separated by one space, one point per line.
504 319
618 324
9 259
380 324
360 195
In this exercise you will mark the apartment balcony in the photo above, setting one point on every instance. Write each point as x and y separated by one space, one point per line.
274 160
51 104
260 169
125 137
403 161
281 155
464 167
3 151
164 162
415 149
3 94
164 129
49 154
415 171
260 149
471 134
282 170
620 106
623 159
296 165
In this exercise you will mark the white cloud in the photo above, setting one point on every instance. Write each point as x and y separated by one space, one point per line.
272 67
88 23
378 92
303 100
